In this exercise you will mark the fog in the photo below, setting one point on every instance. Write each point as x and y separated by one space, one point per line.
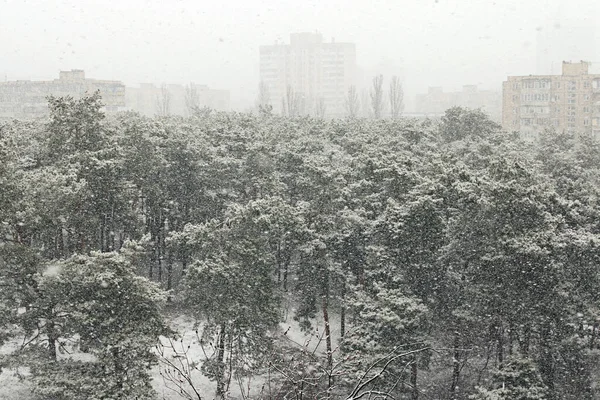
426 42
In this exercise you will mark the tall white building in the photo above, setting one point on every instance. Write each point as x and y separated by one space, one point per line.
308 76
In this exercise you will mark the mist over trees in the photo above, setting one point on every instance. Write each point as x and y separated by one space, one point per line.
340 259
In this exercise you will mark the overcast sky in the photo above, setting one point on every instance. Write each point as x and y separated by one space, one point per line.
446 43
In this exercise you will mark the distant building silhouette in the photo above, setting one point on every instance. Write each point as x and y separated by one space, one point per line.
308 74
567 102
435 102
27 99
174 99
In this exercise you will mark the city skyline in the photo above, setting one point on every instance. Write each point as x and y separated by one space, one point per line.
435 43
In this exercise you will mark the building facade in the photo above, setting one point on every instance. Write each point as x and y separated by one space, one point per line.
566 102
173 99
28 99
435 102
308 76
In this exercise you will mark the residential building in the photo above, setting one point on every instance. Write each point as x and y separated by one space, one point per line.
28 99
174 99
569 102
308 74
435 102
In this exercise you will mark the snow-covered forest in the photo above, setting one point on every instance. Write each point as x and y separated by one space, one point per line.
310 258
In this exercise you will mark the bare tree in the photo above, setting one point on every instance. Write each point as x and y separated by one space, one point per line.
301 104
352 102
264 96
396 98
163 101
366 106
192 99
320 108
377 103
291 100
283 106
264 99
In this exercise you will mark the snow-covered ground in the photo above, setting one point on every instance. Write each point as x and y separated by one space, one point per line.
12 388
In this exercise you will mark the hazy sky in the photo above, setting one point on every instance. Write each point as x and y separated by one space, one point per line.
433 42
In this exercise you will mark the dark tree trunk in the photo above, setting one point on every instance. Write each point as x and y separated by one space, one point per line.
455 365
343 312
220 373
328 344
500 344
546 359
414 370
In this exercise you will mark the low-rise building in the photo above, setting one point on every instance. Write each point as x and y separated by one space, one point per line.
172 99
28 99
435 102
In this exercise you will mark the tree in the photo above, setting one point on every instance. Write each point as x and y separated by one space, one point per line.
365 103
320 108
460 123
163 101
518 380
396 97
192 99
237 313
387 321
90 325
352 102
292 100
264 96
377 102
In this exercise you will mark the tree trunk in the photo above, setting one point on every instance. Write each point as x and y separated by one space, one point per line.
524 344
413 379
455 365
102 229
546 358
52 337
343 312
500 344
328 342
221 365
510 339
169 270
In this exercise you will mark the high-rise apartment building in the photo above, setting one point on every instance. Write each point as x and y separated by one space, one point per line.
569 102
27 99
308 76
